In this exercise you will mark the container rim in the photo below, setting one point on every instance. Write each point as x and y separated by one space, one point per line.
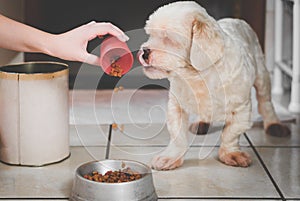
147 174
63 66
36 70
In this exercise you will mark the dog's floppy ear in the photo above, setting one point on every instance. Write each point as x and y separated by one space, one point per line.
206 43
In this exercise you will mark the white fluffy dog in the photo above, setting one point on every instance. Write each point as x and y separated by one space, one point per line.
212 66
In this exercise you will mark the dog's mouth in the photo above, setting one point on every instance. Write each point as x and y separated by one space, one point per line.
146 63
155 72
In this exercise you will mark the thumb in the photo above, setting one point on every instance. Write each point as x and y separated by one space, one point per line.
92 60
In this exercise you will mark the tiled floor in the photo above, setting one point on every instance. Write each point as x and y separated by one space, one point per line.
274 174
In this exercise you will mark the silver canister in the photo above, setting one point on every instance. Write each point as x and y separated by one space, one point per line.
138 190
34 113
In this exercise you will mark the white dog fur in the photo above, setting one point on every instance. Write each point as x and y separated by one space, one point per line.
212 66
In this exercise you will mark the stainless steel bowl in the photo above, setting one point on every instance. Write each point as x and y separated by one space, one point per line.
139 190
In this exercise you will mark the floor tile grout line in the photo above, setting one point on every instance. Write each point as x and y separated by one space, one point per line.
108 142
220 198
160 145
279 146
165 198
76 146
36 198
265 168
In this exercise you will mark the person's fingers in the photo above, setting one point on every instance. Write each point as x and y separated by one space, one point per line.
108 28
91 22
122 34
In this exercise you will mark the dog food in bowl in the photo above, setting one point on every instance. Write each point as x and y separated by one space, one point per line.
117 176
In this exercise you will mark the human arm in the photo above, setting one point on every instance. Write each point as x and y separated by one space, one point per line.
71 45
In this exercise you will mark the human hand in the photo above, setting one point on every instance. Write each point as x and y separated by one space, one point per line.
72 45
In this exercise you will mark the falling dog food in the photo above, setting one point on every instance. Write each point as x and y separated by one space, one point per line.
117 176
117 89
116 127
116 70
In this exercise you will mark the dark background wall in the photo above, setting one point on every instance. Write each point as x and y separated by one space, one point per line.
57 16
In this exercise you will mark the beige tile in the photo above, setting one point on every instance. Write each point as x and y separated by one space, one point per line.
127 106
258 137
140 134
133 106
297 199
52 181
157 134
202 175
89 135
284 166
82 107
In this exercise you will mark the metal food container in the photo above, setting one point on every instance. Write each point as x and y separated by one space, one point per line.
34 113
138 190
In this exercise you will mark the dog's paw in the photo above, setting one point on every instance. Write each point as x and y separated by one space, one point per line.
199 128
161 162
237 158
278 130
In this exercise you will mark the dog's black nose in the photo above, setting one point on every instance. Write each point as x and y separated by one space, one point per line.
146 53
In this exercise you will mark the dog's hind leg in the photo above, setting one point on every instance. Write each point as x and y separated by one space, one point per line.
262 86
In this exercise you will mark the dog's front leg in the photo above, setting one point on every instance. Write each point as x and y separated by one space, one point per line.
172 156
238 122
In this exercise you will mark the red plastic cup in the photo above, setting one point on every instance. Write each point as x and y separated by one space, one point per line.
112 50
